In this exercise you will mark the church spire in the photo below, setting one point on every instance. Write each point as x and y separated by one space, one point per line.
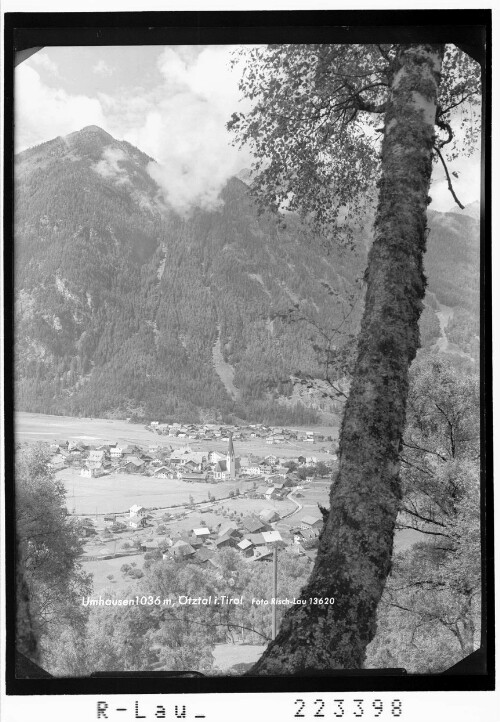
231 461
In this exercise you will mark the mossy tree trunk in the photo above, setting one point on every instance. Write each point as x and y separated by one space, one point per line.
356 543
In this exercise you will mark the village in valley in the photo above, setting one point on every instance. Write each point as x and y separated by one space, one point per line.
193 490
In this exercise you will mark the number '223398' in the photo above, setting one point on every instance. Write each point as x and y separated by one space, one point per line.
348 708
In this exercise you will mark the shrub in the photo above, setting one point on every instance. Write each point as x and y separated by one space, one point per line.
156 554
136 574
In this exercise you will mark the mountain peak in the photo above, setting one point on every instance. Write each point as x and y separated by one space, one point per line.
91 130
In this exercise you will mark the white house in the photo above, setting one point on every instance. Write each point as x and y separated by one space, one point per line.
164 472
251 470
136 521
137 510
215 456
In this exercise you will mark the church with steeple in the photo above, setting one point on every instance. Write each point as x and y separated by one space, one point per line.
230 458
228 468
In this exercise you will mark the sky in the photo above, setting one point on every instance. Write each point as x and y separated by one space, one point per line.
171 102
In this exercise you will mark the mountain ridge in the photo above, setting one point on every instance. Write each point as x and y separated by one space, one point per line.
120 301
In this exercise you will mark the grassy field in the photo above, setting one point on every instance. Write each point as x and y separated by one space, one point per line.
119 491
42 427
101 569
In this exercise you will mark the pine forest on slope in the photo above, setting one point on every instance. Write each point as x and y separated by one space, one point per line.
124 308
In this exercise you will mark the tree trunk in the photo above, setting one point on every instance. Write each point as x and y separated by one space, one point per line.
356 542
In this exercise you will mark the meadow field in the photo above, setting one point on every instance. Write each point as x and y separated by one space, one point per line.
118 491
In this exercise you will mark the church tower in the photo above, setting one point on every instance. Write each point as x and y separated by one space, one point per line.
230 460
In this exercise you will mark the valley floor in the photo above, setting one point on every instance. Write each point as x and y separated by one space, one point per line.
187 504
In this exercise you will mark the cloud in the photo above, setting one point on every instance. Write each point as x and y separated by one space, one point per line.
108 166
43 113
185 131
102 68
43 61
180 121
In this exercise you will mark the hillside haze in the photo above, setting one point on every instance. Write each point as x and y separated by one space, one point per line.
124 308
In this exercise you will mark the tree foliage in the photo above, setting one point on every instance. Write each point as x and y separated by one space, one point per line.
429 617
51 582
314 127
315 124
180 637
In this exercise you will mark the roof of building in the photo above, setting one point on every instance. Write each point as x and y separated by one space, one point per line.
308 533
272 536
269 515
202 531
256 539
135 508
183 546
245 544
309 519
252 523
224 539
227 529
134 460
262 552
203 554
197 456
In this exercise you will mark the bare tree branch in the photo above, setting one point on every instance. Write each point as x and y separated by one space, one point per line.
450 185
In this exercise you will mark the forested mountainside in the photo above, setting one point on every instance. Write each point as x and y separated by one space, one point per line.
123 307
